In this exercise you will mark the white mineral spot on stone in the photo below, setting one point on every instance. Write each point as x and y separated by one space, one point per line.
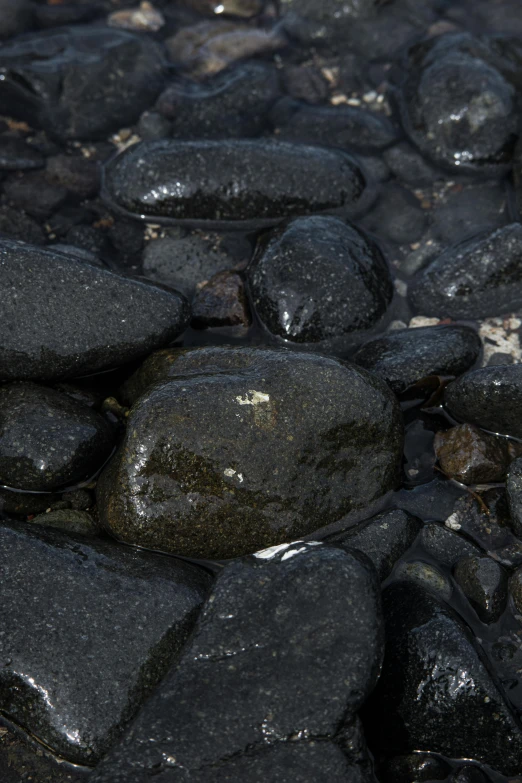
229 472
421 320
293 553
497 336
272 551
401 286
453 522
255 398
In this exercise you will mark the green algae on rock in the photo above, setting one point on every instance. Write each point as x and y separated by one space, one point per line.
243 448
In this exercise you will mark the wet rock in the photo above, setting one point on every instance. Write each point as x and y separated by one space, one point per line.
34 194
78 175
74 684
17 155
409 166
396 216
415 768
208 47
189 182
457 107
478 278
305 82
16 16
68 520
334 126
490 398
244 9
434 500
47 16
288 683
515 589
383 538
19 761
233 103
15 224
466 211
435 692
404 356
192 475
80 82
144 19
314 22
445 546
48 440
25 504
105 320
320 282
221 302
470 774
514 495
152 126
473 456
484 583
426 575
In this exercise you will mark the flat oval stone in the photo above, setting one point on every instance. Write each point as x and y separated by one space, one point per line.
47 439
235 183
478 278
105 319
244 448
404 356
320 282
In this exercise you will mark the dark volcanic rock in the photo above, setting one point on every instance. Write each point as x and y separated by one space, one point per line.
222 301
69 520
248 447
484 583
234 103
105 623
104 319
415 768
514 495
383 538
80 83
47 439
17 155
477 278
239 182
490 397
319 282
279 654
31 192
19 761
457 107
311 21
444 545
435 692
472 456
404 356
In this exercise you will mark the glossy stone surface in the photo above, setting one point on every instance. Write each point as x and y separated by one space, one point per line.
80 83
473 456
190 182
105 624
404 356
48 440
192 474
490 397
257 671
514 495
319 282
484 583
105 320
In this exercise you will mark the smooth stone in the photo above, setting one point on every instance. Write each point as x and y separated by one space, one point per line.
222 301
47 439
383 538
470 774
80 82
31 192
490 397
77 174
243 9
408 165
234 103
188 182
484 583
19 761
16 16
478 278
426 575
348 127
15 224
472 456
105 320
243 448
315 22
435 692
514 495
17 155
444 545
405 356
457 107
257 670
319 282
515 589
106 623
68 520
415 768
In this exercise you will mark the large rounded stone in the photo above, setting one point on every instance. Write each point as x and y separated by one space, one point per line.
245 448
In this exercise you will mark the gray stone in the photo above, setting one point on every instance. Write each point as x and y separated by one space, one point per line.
279 655
514 495
484 583
445 546
69 520
247 447
472 456
104 320
88 629
426 575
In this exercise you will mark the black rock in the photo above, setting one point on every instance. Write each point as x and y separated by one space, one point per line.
435 692
333 126
404 356
396 216
515 589
152 126
484 583
426 575
15 224
16 16
470 774
415 768
469 210
105 320
383 538
77 174
241 183
47 439
80 82
106 623
258 671
32 193
472 456
234 103
514 495
19 762
409 166
490 397
17 155
69 520
459 283
241 448
222 301
314 22
320 282
456 106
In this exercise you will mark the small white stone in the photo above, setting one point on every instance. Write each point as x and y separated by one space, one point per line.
255 398
229 472
421 320
453 522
